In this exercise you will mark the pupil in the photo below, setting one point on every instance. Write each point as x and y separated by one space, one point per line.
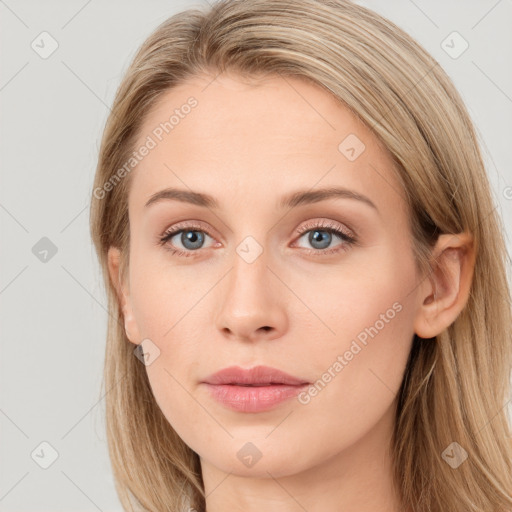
192 237
317 236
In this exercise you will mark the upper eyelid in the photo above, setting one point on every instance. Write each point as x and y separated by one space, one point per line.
327 224
183 226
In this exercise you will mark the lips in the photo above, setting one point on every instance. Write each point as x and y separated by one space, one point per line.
253 390
257 376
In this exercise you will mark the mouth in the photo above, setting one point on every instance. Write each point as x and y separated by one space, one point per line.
254 390
256 385
253 377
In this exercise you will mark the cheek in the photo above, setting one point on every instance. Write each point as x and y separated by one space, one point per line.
363 308
370 314
168 311
160 295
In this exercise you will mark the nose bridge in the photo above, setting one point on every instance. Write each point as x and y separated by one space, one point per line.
250 257
250 302
249 280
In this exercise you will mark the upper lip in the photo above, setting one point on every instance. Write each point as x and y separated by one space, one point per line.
259 375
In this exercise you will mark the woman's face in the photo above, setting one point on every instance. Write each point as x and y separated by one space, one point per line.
255 283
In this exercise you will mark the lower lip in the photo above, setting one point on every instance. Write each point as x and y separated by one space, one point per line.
253 398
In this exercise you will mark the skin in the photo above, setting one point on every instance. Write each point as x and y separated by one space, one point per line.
248 144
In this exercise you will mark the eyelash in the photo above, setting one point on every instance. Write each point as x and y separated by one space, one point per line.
327 226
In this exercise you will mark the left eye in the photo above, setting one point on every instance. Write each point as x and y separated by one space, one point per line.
321 238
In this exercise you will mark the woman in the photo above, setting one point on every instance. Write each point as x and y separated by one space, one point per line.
305 271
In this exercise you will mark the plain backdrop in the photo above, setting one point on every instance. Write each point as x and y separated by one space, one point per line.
53 315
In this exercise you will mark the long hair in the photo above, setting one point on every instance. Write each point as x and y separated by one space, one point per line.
455 385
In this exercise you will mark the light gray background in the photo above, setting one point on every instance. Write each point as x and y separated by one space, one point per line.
53 314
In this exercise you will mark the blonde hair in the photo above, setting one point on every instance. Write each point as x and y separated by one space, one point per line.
455 385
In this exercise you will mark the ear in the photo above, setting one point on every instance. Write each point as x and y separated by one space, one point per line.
445 291
123 295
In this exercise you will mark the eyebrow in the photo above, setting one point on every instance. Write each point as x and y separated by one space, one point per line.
292 200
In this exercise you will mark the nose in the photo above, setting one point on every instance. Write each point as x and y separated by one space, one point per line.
251 302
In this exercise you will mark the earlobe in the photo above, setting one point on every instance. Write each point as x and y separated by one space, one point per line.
447 287
122 293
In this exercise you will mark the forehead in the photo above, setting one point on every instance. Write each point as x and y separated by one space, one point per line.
271 106
267 132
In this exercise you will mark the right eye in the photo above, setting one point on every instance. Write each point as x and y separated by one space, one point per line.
191 239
